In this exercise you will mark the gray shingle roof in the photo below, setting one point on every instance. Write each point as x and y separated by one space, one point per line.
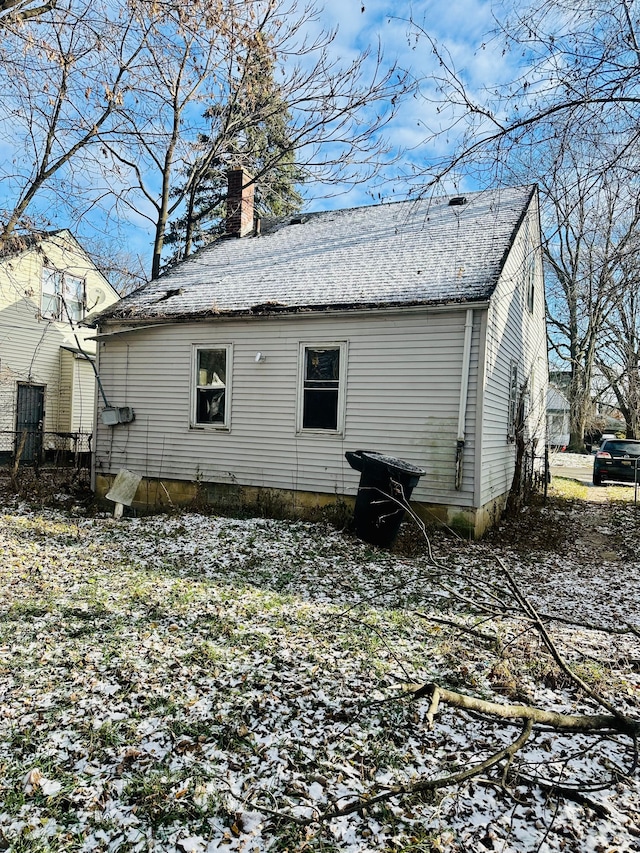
406 253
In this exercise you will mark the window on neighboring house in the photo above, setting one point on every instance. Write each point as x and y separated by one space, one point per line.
530 269
513 401
62 296
212 370
321 397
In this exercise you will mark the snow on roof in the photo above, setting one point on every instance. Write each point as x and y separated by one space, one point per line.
418 252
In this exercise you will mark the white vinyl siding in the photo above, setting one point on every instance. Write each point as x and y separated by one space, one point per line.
31 346
401 391
515 336
84 396
512 410
77 393
31 355
65 400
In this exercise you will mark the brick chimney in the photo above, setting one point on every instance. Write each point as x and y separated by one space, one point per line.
239 203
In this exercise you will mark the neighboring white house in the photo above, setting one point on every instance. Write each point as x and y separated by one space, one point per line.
413 329
604 416
47 382
558 418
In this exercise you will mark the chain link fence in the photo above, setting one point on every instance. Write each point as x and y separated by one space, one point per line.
51 450
46 466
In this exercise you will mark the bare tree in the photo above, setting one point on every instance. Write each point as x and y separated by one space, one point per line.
177 74
592 230
134 102
63 84
187 70
566 119
618 355
575 83
190 120
14 12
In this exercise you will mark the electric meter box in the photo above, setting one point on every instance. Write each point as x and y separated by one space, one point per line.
114 415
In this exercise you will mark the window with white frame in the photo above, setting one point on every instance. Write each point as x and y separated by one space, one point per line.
63 296
211 386
321 387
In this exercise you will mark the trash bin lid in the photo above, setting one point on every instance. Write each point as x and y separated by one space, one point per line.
392 462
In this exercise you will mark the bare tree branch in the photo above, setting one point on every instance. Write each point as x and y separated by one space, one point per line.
561 722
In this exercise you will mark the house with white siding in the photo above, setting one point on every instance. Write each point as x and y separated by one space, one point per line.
558 418
48 284
415 329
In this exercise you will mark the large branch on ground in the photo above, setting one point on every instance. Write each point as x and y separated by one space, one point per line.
561 722
530 716
530 611
423 785
556 789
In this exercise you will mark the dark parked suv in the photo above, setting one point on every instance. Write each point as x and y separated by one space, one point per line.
617 459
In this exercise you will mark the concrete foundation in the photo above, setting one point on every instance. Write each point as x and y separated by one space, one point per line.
163 495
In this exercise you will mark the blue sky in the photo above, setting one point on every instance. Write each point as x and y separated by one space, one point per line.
460 27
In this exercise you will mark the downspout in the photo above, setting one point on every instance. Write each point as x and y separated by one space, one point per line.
94 367
464 388
95 424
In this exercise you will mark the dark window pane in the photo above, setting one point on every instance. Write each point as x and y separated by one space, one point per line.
320 409
322 365
211 386
210 406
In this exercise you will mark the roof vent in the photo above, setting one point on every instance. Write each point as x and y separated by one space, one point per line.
457 200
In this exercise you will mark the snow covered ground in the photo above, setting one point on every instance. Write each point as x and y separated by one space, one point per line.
193 683
571 460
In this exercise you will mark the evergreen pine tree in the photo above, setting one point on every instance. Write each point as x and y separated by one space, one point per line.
251 128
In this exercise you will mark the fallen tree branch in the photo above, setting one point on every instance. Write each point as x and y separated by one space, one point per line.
452 623
568 792
500 609
621 631
423 785
498 595
561 722
530 611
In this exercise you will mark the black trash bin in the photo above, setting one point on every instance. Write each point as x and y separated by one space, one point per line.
385 484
